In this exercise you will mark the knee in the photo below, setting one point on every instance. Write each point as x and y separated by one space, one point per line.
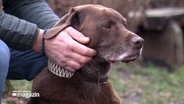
4 55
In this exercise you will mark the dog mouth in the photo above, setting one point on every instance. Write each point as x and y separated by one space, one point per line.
125 57
131 57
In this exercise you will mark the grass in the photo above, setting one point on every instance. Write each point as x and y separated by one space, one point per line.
148 85
139 85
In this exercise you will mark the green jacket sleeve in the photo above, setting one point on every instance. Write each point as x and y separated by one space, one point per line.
20 23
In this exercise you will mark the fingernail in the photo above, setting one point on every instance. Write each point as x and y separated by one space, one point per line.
86 38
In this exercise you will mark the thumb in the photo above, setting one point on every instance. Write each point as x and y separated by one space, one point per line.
76 35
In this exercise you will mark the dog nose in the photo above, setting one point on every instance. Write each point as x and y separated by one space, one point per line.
138 42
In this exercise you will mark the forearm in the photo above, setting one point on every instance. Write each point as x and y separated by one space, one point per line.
35 11
17 33
20 34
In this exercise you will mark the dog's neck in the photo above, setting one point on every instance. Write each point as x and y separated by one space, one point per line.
95 71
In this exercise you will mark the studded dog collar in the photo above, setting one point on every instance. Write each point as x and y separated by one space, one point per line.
64 73
58 70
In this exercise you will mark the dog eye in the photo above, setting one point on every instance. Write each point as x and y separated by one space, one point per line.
108 26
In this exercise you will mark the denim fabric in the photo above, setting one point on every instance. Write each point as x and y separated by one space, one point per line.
25 64
4 64
19 64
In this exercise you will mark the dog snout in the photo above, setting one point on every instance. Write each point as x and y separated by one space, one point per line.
137 42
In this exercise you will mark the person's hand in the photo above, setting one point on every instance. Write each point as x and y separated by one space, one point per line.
67 49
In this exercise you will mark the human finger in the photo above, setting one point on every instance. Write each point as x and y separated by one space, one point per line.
83 50
78 36
69 68
80 58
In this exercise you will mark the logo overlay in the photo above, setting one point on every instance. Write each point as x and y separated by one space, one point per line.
24 94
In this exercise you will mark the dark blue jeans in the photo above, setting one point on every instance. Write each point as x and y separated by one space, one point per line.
19 64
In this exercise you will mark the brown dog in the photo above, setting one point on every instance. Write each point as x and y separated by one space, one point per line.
112 41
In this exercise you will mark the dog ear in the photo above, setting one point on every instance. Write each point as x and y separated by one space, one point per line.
70 19
74 18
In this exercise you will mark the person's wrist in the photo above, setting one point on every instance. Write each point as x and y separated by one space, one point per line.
38 43
43 41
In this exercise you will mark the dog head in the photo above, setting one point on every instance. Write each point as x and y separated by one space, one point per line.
106 28
107 32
